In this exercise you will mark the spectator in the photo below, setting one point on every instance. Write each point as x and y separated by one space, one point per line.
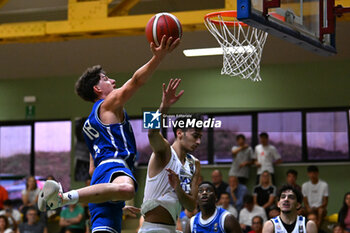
3 196
344 213
291 179
184 217
237 192
274 212
32 225
257 225
29 196
249 211
313 217
50 177
224 203
220 185
14 216
266 157
242 159
4 225
72 219
338 229
315 193
265 192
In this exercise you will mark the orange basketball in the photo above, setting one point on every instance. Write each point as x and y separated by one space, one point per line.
163 24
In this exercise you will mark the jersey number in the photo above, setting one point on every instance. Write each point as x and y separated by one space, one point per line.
90 131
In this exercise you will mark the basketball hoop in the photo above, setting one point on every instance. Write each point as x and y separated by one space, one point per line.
242 47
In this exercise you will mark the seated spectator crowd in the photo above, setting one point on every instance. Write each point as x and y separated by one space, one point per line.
252 208
260 203
26 218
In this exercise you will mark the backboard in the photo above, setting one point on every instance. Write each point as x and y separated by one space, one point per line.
308 23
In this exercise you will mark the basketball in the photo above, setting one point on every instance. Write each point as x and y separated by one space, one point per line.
163 24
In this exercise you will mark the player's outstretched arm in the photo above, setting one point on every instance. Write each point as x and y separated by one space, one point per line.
231 225
188 201
311 227
268 227
119 97
159 144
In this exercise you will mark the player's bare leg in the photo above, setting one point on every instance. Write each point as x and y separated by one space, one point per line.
122 188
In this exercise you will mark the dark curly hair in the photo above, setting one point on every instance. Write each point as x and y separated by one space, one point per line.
84 87
286 187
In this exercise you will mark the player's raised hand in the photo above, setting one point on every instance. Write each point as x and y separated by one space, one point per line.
166 46
174 180
169 93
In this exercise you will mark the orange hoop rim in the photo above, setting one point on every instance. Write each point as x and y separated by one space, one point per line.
232 14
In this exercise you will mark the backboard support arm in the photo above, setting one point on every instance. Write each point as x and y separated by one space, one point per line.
332 13
339 10
267 4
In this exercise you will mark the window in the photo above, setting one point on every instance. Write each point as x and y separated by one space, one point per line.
285 133
225 137
15 147
327 135
52 150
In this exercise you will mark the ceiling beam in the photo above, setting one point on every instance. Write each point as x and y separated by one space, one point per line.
346 16
122 8
90 19
3 2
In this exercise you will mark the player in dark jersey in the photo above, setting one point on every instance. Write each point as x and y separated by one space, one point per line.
211 219
111 143
289 201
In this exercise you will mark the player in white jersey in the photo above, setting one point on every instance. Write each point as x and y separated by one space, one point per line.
172 175
289 201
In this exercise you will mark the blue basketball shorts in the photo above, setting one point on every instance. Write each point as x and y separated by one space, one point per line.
107 216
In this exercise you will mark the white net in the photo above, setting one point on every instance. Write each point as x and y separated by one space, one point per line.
242 46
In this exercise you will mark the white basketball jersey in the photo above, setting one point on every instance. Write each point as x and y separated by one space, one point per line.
158 190
300 225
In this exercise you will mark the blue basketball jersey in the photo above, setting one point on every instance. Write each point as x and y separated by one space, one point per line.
215 224
109 141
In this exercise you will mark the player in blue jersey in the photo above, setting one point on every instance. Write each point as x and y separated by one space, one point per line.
111 142
289 201
211 219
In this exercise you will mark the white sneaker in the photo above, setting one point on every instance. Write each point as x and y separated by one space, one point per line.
50 197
